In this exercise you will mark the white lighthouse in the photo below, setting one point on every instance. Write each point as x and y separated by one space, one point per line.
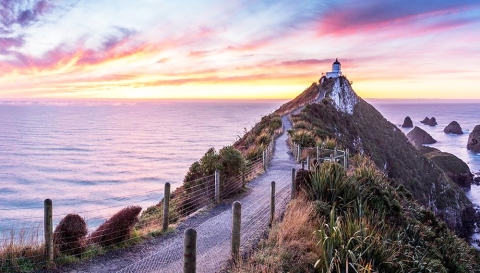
336 70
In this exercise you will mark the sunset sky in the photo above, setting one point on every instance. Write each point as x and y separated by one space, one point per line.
89 49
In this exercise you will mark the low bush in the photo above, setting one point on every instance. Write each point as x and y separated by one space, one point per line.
117 229
69 235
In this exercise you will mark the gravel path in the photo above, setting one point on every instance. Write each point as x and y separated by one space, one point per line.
165 254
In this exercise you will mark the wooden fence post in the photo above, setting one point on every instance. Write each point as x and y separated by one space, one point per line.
308 163
190 251
166 206
298 153
236 223
294 188
347 158
318 154
48 230
272 204
217 186
264 157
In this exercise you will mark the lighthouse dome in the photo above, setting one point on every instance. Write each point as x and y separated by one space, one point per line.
336 70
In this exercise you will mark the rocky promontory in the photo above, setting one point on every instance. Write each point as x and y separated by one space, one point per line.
474 140
453 128
407 123
455 169
366 131
418 136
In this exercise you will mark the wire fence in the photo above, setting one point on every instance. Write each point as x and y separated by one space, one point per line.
214 236
312 156
23 245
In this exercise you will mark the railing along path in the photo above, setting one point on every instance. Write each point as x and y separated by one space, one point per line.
214 235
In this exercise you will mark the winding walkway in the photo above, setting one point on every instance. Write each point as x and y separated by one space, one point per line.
213 227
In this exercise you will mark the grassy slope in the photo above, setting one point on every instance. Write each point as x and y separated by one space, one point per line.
356 221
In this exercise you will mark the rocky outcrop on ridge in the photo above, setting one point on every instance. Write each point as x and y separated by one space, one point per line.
455 169
473 143
453 128
418 136
343 96
432 122
407 122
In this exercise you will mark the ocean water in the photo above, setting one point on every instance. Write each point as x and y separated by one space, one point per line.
94 158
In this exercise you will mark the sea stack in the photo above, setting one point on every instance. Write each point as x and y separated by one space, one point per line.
432 122
418 136
407 123
425 120
453 128
474 140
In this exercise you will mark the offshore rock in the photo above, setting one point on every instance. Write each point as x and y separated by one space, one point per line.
407 123
473 143
453 128
425 120
432 122
418 136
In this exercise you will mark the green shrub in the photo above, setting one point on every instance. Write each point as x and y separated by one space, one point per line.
231 161
210 162
303 138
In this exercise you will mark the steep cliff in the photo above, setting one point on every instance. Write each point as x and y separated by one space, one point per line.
358 126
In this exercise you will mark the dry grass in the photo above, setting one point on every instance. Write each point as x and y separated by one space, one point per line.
20 250
290 246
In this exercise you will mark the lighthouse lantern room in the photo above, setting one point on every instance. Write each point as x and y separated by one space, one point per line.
336 70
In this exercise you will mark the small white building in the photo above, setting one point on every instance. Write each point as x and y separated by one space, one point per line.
336 70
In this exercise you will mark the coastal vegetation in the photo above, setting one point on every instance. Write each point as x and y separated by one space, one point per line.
256 140
237 164
357 220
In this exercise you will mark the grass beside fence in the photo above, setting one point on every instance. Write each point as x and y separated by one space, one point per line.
360 223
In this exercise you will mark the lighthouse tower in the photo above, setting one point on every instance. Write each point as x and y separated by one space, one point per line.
336 70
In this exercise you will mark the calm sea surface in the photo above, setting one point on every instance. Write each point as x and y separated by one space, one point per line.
94 158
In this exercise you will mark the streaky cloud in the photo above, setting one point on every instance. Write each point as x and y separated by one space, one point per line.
358 16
